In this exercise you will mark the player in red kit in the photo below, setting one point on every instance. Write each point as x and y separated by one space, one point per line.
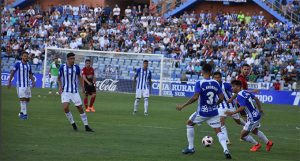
89 86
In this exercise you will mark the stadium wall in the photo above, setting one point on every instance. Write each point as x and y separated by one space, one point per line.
216 7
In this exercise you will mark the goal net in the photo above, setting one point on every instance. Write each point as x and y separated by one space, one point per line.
115 71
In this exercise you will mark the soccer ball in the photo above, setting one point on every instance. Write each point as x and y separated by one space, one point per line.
207 141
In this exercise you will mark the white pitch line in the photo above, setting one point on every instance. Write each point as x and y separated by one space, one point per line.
161 127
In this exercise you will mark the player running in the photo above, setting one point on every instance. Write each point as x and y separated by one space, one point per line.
89 86
207 90
68 79
25 74
246 101
142 86
224 106
53 73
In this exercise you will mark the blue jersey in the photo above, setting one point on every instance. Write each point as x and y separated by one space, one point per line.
143 78
23 71
208 89
227 91
246 99
69 78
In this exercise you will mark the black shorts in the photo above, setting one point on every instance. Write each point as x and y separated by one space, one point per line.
89 89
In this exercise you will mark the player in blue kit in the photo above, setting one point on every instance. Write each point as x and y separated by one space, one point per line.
210 95
246 101
225 106
142 83
24 72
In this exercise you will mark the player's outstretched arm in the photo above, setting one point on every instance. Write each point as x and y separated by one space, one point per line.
190 101
229 113
12 73
232 98
258 105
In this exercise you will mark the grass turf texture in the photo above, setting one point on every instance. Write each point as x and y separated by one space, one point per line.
120 136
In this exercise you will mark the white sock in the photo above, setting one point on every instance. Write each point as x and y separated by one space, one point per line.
136 104
84 119
190 135
146 105
224 130
222 140
250 139
243 123
262 137
23 107
70 117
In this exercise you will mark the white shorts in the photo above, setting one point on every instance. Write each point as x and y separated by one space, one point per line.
53 79
142 92
250 126
24 92
74 97
223 110
213 122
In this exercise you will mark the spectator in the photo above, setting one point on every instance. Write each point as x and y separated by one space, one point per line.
277 85
190 69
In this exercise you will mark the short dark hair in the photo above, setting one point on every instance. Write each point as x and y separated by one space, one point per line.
87 60
246 65
145 61
236 82
218 73
207 68
25 52
70 55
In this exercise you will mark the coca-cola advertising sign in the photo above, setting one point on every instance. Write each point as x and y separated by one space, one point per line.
107 85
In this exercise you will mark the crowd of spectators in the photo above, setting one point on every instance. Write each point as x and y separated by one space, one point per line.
225 40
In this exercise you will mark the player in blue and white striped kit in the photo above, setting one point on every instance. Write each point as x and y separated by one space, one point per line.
246 101
68 79
210 95
225 106
23 70
142 83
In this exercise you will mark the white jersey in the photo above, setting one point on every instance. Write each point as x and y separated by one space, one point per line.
69 78
143 78
227 91
23 71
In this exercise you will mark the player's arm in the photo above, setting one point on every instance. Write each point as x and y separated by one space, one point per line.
221 98
229 113
253 91
258 103
150 82
86 80
49 72
134 78
60 71
31 77
190 101
12 73
232 98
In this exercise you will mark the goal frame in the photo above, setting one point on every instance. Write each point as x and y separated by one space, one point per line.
98 53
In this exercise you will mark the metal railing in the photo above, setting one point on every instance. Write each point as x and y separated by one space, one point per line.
276 6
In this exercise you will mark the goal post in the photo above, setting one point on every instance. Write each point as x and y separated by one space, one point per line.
114 71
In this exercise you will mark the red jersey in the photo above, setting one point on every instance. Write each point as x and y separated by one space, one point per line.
277 86
89 73
244 81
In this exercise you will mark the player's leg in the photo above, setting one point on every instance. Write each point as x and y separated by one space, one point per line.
223 127
190 132
215 123
138 96
263 137
146 103
65 100
51 84
24 96
86 102
245 135
77 101
93 97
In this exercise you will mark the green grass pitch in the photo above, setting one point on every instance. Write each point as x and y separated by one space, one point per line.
120 136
